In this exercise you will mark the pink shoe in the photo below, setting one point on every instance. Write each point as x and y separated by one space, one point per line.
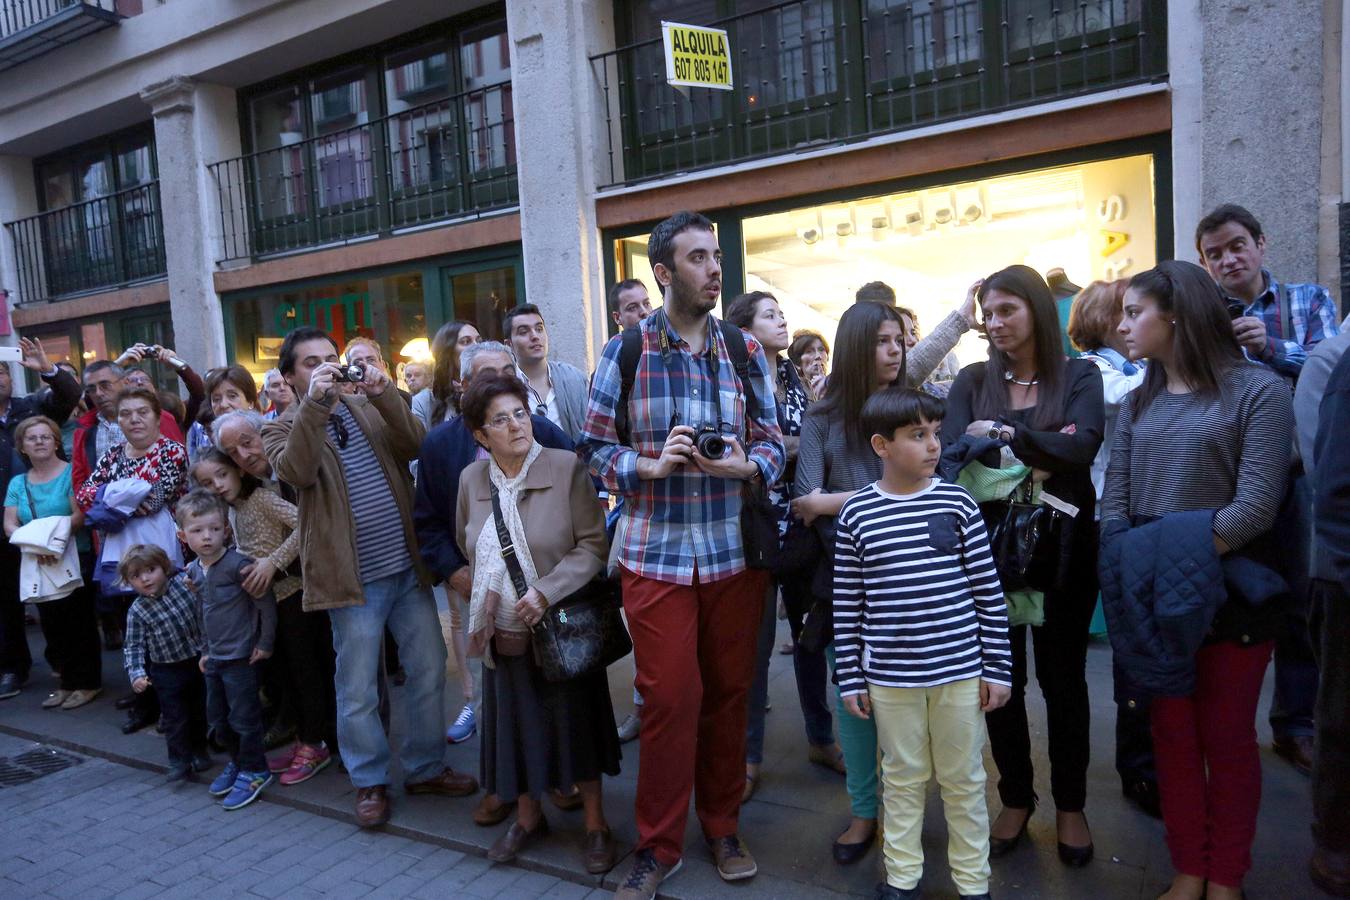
309 760
282 761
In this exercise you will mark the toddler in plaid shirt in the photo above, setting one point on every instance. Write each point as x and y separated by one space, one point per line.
161 647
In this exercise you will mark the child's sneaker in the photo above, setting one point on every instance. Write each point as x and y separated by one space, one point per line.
246 789
282 761
224 782
309 760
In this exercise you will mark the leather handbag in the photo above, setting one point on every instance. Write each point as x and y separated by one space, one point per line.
1030 541
578 635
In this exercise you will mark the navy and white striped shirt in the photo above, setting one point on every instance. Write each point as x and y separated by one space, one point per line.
917 600
381 545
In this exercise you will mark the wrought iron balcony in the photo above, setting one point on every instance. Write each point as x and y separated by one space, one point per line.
30 28
450 158
812 73
102 243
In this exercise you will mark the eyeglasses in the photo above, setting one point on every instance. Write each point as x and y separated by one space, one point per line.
339 431
520 416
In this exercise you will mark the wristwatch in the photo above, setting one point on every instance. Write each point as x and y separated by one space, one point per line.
994 433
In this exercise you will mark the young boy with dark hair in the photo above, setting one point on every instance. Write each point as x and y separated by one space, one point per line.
921 640
161 646
238 630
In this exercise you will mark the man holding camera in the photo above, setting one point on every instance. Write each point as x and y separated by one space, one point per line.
1277 325
693 606
347 456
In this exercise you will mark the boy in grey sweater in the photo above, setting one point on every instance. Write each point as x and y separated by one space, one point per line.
238 630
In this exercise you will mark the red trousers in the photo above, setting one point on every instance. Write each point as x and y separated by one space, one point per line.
1209 768
695 652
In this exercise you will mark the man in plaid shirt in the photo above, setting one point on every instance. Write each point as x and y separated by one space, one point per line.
161 647
1281 323
693 606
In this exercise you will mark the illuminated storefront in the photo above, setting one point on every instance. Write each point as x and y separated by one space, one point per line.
394 307
1096 219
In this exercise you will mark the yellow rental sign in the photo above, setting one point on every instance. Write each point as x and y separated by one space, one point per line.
697 56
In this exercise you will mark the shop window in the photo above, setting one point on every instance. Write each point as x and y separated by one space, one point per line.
1095 220
390 309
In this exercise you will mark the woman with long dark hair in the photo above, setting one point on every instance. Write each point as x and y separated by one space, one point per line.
835 462
1207 430
1050 414
758 314
441 401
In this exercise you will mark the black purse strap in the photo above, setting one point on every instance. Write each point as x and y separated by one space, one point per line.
508 548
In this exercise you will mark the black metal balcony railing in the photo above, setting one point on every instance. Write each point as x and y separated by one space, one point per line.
434 162
810 73
106 242
30 28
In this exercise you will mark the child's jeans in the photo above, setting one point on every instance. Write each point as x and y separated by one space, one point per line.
923 731
182 704
234 711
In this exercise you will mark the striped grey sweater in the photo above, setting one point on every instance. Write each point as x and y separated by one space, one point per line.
1228 452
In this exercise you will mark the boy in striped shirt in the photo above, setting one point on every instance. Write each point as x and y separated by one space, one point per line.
921 640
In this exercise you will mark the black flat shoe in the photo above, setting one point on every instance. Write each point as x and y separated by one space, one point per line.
1003 846
847 854
1143 793
1075 857
135 723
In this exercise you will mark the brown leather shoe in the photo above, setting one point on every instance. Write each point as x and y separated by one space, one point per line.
598 851
492 811
372 806
1297 750
448 784
515 839
567 801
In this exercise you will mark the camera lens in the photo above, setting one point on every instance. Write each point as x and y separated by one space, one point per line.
712 445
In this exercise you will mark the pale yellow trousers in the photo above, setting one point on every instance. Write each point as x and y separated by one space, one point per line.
923 732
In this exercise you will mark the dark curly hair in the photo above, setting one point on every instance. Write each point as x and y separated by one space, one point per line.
482 391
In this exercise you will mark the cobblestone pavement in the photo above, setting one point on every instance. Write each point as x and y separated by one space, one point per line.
99 829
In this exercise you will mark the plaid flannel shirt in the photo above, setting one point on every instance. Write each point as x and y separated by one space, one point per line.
1312 316
688 522
162 630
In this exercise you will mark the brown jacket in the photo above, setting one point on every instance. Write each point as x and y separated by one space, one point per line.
563 522
301 451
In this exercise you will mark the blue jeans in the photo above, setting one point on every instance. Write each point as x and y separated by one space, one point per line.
409 611
235 712
759 688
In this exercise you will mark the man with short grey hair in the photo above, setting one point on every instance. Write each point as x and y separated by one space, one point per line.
238 433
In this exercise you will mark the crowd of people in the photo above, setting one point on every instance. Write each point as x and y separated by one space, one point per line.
266 560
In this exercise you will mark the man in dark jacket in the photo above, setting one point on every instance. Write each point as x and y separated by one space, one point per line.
57 405
1330 625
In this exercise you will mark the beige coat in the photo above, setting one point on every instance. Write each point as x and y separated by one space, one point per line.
302 454
563 521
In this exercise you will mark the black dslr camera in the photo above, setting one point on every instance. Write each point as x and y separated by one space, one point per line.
709 443
354 373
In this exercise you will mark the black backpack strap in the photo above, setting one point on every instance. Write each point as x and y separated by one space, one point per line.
734 338
630 352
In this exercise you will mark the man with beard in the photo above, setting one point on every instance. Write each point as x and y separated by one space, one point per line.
693 606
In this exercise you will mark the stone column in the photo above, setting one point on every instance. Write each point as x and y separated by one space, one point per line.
559 122
195 124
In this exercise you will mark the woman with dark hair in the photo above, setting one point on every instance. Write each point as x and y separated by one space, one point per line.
835 462
227 388
758 314
1049 414
1207 430
810 354
440 402
538 735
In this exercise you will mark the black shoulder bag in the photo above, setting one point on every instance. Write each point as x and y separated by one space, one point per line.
1031 542
580 634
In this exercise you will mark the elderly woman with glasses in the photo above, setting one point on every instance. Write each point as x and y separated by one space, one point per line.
537 735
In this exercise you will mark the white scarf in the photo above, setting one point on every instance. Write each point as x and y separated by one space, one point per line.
492 603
